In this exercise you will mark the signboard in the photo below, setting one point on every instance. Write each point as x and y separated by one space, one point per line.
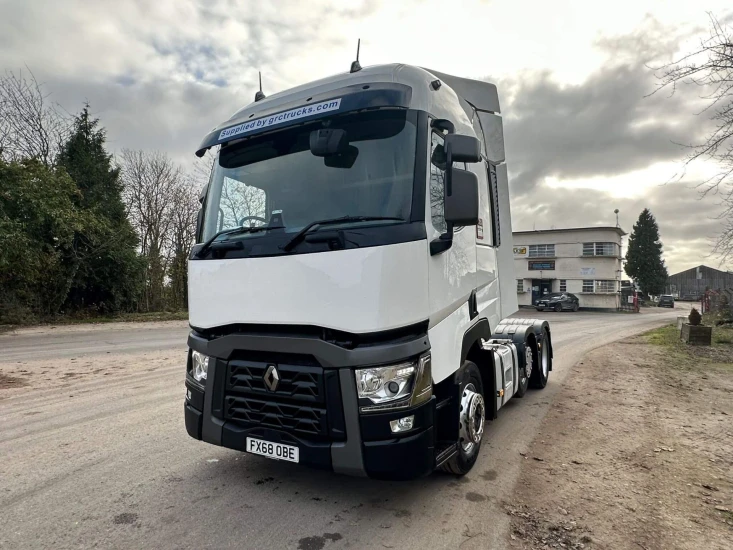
520 251
631 299
546 265
587 271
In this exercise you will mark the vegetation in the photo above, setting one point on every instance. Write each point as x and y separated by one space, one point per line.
679 355
644 261
80 235
694 317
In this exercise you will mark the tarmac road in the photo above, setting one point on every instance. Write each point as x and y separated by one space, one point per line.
94 453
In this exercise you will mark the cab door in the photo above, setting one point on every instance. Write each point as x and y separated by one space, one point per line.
452 273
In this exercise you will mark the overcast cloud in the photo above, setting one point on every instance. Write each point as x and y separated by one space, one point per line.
582 138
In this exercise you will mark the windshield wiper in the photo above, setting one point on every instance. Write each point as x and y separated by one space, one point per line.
300 235
235 231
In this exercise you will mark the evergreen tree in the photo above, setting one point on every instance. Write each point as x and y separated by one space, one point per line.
109 277
39 224
644 261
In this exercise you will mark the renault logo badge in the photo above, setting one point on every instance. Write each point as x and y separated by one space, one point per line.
272 377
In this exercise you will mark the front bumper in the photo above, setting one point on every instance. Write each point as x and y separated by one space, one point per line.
365 447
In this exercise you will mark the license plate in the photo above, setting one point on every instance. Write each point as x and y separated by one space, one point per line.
278 451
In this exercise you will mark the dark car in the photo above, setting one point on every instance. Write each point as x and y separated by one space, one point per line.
666 300
558 301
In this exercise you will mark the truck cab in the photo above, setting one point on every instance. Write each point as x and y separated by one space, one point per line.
353 274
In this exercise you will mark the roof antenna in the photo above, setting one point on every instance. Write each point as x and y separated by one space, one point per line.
259 96
355 66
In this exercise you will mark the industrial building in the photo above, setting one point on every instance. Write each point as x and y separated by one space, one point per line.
692 283
585 261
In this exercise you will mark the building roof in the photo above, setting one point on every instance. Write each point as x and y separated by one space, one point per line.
704 268
618 230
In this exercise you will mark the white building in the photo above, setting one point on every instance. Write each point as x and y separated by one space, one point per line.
584 261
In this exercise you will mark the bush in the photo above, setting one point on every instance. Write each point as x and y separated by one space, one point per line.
695 318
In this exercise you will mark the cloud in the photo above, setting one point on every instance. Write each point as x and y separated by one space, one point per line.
687 226
606 125
161 74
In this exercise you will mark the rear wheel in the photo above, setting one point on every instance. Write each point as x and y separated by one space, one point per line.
471 418
538 378
576 307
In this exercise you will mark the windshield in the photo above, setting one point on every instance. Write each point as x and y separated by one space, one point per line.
553 296
276 181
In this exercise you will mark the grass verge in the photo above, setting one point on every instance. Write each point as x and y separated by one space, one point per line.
121 318
679 354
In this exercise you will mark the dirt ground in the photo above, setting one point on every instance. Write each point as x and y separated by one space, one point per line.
636 452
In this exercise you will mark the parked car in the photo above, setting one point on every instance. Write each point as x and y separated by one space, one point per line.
558 301
666 300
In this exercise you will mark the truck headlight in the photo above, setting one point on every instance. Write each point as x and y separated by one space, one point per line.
395 386
199 366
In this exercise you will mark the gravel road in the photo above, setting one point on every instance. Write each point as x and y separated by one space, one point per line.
93 453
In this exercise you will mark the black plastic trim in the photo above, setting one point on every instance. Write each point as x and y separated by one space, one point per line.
265 245
411 457
193 419
327 354
196 392
419 186
346 457
480 329
472 305
353 98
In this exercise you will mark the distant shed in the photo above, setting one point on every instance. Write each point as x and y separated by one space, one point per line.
692 283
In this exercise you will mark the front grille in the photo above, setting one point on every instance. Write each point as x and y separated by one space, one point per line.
303 420
300 405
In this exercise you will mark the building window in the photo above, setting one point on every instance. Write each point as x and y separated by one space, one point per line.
437 182
605 286
600 249
520 285
599 286
563 285
542 251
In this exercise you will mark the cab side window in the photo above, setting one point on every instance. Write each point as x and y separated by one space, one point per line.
437 182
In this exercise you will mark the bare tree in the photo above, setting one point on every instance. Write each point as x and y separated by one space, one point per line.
151 182
710 66
182 235
30 125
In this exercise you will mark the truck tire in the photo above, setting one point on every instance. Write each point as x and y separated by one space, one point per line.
472 419
541 372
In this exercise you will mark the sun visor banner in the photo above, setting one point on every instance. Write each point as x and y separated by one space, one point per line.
279 118
329 103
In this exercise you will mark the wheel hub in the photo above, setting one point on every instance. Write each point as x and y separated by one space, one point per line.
473 413
528 360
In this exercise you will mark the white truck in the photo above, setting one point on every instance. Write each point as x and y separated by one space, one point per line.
353 276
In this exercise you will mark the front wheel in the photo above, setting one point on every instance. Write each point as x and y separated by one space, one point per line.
471 421
558 308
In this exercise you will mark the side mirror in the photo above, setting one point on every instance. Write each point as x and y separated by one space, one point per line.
463 148
202 195
461 206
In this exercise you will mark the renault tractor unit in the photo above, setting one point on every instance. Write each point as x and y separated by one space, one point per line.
353 277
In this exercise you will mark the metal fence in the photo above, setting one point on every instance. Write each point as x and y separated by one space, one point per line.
626 301
718 301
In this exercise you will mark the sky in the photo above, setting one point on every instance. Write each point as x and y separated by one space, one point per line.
583 134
